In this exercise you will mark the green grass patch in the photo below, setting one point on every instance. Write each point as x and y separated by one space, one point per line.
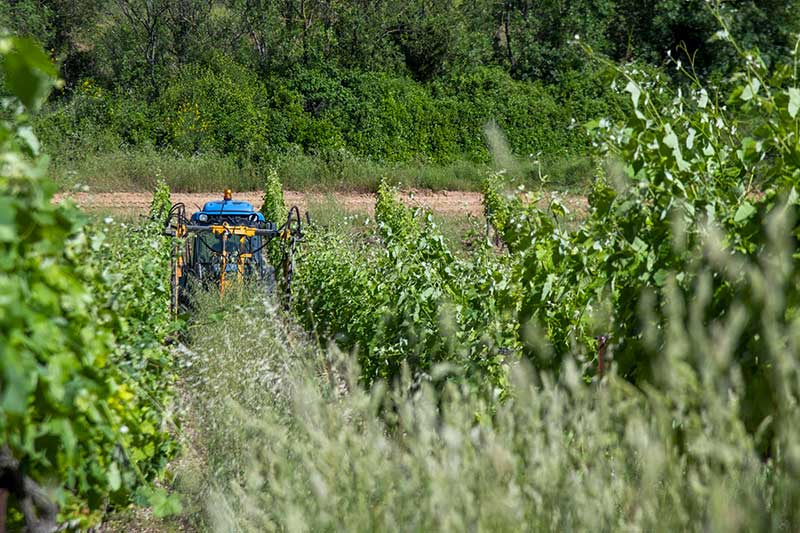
139 170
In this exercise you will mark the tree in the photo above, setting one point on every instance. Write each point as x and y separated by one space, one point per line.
534 39
362 32
285 33
427 33
648 30
147 21
188 24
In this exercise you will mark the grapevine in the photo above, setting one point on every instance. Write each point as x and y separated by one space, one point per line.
85 379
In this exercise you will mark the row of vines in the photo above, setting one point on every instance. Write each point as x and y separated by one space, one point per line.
692 227
85 379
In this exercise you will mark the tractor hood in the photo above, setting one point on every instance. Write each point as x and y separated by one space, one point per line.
229 207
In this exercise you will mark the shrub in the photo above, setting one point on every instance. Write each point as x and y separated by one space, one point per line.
222 108
274 207
226 109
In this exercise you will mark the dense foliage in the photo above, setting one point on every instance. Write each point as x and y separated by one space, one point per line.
687 261
84 377
253 81
408 301
475 399
227 109
697 204
139 42
704 198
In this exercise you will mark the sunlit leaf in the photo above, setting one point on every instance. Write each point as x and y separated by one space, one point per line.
29 72
794 101
750 89
745 211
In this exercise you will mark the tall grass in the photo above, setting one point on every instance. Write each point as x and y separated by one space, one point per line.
289 441
138 170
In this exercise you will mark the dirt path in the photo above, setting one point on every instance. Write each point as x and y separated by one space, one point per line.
446 203
443 202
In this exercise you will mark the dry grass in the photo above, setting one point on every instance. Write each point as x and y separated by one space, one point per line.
294 443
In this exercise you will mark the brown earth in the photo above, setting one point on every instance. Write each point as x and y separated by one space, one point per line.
447 203
450 203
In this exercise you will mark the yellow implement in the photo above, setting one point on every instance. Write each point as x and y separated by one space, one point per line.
227 238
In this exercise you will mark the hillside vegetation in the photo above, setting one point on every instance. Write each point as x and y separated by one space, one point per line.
336 94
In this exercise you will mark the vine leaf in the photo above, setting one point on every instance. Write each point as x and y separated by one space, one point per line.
636 93
794 101
29 72
745 211
751 89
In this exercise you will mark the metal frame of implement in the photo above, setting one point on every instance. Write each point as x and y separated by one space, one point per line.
179 227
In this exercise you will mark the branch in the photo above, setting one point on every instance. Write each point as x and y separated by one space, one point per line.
29 494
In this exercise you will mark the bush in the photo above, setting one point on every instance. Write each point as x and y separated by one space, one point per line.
336 116
408 303
227 110
397 119
84 375
531 118
93 120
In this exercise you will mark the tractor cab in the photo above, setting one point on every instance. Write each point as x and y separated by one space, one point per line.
225 242
240 248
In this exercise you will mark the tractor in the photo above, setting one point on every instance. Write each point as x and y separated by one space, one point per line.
227 242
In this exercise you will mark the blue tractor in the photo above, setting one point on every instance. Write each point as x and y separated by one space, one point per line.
226 242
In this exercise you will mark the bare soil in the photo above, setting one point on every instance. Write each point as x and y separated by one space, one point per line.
440 202
449 203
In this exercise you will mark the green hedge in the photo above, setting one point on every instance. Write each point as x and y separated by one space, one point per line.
227 109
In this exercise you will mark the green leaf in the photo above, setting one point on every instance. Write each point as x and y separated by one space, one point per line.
671 140
18 385
703 100
793 197
750 90
165 504
690 138
114 478
639 245
660 277
26 134
29 73
745 211
794 101
8 225
635 93
548 286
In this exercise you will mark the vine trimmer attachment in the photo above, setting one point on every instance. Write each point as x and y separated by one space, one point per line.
227 242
